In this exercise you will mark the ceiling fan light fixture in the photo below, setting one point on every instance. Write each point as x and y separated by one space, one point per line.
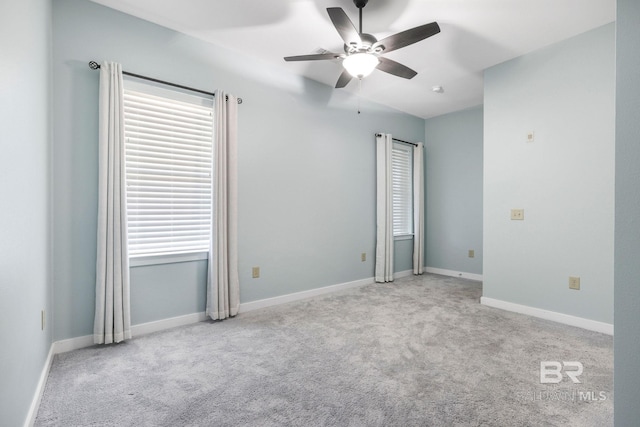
363 51
360 65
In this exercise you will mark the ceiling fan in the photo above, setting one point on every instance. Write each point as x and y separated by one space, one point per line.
363 52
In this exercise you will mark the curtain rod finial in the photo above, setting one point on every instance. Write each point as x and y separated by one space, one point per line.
94 65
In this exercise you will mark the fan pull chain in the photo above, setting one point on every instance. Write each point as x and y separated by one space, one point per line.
359 92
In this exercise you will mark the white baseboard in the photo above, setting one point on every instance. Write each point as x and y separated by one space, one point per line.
401 274
452 273
63 346
37 397
76 343
580 322
282 299
161 325
71 344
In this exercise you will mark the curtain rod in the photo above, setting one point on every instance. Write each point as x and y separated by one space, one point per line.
95 66
400 140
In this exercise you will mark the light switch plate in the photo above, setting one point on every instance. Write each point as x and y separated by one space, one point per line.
574 283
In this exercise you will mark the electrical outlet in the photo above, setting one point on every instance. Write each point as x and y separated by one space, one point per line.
517 214
363 256
42 319
531 136
255 272
574 283
472 253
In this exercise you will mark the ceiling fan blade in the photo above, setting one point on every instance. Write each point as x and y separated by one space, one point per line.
344 79
395 68
407 37
343 24
314 57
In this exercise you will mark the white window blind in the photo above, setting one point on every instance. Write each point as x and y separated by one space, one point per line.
401 177
168 159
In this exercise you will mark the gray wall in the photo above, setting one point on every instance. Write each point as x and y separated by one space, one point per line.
627 234
564 180
453 150
306 169
25 32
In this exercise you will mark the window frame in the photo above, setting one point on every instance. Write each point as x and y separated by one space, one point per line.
172 94
408 233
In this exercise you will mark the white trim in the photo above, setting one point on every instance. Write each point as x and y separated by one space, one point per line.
37 397
580 322
136 330
452 273
398 237
70 344
76 343
160 325
283 299
401 274
140 261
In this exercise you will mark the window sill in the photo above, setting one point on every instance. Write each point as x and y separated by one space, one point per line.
403 237
140 261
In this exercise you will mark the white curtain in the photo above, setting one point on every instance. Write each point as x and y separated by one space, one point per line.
112 321
384 210
418 209
223 288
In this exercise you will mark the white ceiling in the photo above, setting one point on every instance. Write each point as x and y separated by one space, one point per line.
475 35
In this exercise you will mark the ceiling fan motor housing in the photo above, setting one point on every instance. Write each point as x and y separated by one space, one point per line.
367 41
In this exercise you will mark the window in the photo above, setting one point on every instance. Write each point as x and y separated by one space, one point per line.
402 183
168 162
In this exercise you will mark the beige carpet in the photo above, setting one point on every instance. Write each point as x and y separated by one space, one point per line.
420 351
